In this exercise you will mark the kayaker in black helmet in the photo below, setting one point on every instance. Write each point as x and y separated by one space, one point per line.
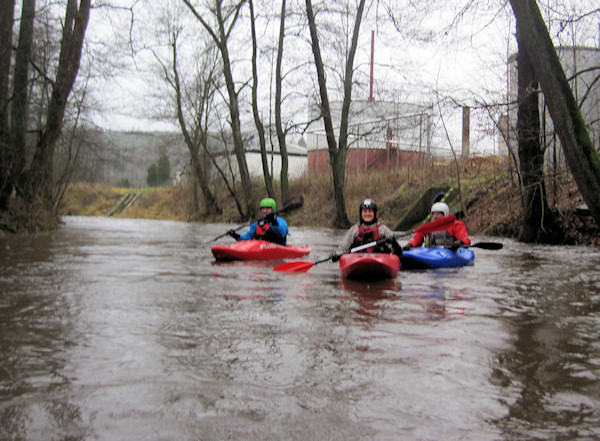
368 229
269 227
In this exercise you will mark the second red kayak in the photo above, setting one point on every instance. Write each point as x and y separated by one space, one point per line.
258 250
369 266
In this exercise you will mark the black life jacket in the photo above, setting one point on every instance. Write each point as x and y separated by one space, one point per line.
265 232
439 239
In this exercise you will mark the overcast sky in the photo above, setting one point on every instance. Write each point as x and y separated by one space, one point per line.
465 59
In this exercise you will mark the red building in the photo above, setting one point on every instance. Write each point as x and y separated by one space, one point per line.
381 136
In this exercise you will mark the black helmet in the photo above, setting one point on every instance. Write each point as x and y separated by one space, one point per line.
368 203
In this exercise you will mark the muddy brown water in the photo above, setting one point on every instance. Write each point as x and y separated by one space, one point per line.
117 329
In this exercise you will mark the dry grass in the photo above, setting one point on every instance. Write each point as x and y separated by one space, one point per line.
162 203
490 199
85 199
393 191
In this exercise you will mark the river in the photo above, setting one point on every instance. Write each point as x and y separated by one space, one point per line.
120 329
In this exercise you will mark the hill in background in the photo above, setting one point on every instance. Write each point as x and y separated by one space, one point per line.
113 156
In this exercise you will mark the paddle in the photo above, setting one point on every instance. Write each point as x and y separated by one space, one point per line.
293 204
305 266
429 227
485 245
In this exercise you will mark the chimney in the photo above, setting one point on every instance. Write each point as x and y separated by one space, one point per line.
372 57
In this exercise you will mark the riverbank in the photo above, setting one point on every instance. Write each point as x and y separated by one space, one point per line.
487 193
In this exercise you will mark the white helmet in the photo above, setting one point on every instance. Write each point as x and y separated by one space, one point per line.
441 207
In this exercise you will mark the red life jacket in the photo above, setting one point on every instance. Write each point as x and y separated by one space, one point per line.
265 232
366 234
261 230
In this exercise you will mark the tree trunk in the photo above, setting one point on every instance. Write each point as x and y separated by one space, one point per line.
7 11
7 20
20 99
234 110
257 121
337 153
285 187
210 203
582 157
531 155
238 143
74 27
193 143
220 38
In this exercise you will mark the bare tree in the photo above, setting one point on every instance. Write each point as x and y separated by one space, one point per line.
28 193
337 148
226 20
75 24
581 155
7 12
536 215
285 185
257 120
20 99
195 132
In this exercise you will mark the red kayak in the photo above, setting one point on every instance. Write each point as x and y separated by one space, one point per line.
258 250
369 266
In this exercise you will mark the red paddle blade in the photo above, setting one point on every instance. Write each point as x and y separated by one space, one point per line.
294 266
440 224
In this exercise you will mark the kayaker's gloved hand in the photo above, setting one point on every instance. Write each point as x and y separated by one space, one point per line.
457 245
261 221
396 248
407 247
335 256
271 219
233 234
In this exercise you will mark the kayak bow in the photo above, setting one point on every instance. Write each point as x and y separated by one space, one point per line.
369 266
258 250
423 258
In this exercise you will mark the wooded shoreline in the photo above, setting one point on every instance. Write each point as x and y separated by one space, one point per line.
490 195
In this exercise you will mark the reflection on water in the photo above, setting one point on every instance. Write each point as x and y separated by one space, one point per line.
553 365
118 329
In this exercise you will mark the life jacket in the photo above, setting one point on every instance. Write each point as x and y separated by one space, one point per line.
265 232
365 235
439 239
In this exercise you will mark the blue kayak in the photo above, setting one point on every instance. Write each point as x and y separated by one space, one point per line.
423 258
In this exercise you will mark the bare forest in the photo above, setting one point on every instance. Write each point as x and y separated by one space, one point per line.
238 93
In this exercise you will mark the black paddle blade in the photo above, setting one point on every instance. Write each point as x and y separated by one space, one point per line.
487 245
293 204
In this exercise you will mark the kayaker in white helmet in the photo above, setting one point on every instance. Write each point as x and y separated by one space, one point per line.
368 229
269 227
453 237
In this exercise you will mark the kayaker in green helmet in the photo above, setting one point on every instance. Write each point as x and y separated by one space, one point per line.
368 229
269 227
454 237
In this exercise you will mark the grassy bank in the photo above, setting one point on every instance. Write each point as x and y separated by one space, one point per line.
488 194
85 199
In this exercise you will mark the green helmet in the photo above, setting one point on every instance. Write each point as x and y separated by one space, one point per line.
268 202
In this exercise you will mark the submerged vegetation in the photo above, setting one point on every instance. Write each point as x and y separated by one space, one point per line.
490 195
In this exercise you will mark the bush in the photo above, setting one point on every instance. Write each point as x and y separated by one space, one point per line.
123 183
159 173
